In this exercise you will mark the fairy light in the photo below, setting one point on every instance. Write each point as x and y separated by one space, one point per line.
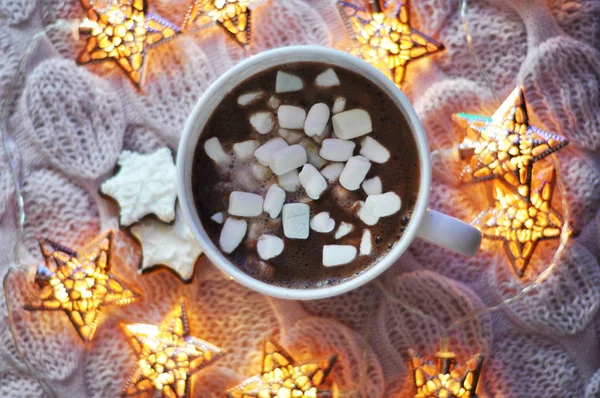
233 16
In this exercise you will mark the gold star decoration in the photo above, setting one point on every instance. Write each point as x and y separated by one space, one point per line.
122 31
282 377
505 146
168 355
387 41
445 378
523 222
232 15
79 283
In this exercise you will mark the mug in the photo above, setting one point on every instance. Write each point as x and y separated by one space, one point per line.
430 225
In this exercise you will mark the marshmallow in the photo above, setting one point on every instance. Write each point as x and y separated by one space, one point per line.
352 124
338 254
322 223
269 246
344 229
215 151
245 150
274 201
326 133
218 217
245 204
288 159
289 181
372 186
312 153
366 215
366 243
383 205
273 102
332 171
262 122
296 220
260 172
316 120
327 79
286 83
338 105
232 234
313 182
254 231
291 117
354 172
265 152
250 98
336 150
374 151
291 136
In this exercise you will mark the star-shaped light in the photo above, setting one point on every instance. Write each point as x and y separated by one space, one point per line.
122 31
282 377
168 355
523 222
232 15
387 41
173 246
79 283
445 378
505 146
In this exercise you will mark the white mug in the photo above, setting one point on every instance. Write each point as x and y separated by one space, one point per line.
430 225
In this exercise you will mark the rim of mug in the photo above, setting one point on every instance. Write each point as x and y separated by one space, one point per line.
220 88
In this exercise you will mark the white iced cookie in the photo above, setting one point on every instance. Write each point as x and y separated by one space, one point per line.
145 184
172 246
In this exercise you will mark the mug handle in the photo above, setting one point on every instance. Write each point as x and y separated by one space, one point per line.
450 233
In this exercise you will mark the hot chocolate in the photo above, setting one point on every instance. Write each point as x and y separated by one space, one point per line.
305 175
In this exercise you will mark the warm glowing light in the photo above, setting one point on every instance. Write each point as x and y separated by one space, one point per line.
122 31
445 378
168 355
387 41
79 283
231 15
282 377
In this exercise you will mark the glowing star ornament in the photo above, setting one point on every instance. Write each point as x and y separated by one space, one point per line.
167 355
282 377
387 41
122 31
445 378
78 283
505 146
232 15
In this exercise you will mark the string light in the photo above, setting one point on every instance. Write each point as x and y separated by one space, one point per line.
232 15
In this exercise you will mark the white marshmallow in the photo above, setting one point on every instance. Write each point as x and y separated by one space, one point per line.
274 201
344 229
245 204
273 102
289 181
327 79
269 246
232 234
291 117
316 120
250 98
322 223
351 124
332 171
253 233
338 255
265 152
366 243
374 151
218 217
288 159
336 150
338 105
312 153
372 186
354 172
313 182
286 83
383 205
325 134
245 150
215 151
262 122
291 136
296 220
366 215
260 172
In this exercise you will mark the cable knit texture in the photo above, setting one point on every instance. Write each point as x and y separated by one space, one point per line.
67 125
